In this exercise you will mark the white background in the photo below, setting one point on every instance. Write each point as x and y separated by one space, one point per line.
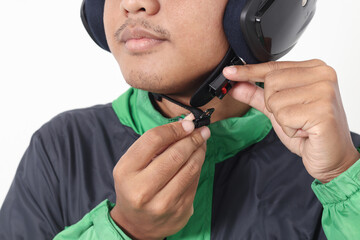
48 64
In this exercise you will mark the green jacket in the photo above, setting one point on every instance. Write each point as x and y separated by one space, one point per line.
340 199
251 186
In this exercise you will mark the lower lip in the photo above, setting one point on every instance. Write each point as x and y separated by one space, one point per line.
141 44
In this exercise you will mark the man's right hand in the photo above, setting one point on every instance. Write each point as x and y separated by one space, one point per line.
157 178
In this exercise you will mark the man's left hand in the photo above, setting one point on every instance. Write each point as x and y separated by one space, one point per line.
302 100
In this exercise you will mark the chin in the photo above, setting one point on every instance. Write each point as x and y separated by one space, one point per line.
160 89
157 84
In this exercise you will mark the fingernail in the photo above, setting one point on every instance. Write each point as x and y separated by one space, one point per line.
188 125
205 133
230 70
189 117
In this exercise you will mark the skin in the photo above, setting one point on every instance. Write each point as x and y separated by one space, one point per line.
301 99
187 25
171 160
179 65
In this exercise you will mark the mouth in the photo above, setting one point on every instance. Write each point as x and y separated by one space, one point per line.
138 40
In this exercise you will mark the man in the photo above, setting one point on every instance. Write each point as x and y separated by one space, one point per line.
246 181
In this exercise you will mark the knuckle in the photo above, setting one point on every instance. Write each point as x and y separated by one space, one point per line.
331 92
163 168
185 211
152 136
191 211
204 148
117 176
137 199
118 171
327 110
194 168
176 156
269 80
176 131
272 104
318 62
250 95
329 73
160 208
272 80
327 115
328 89
282 116
268 98
268 108
115 171
197 139
272 65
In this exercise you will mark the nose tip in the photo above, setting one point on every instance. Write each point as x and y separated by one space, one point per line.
150 7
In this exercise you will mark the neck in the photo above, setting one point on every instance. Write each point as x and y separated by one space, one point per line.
225 108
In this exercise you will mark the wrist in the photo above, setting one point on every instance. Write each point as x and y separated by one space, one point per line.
345 165
119 222
132 232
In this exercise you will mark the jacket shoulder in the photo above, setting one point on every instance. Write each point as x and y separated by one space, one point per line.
356 139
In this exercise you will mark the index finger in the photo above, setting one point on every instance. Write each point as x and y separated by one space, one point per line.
153 142
258 72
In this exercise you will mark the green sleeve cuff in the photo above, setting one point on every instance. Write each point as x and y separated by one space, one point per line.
104 225
95 225
340 188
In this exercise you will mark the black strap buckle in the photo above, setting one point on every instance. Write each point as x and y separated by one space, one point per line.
201 118
204 118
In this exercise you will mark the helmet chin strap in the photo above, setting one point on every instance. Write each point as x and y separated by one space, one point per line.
202 118
216 85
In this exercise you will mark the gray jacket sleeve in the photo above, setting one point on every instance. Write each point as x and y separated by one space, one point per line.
30 208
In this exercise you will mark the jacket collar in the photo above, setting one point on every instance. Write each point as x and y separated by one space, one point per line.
229 136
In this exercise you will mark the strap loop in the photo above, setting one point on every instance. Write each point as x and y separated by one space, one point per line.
201 118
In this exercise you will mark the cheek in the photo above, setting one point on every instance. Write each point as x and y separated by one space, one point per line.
203 19
112 21
199 35
197 45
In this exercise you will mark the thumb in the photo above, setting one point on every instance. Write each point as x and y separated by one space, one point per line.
250 94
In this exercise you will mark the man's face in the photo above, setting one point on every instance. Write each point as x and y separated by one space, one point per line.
192 42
